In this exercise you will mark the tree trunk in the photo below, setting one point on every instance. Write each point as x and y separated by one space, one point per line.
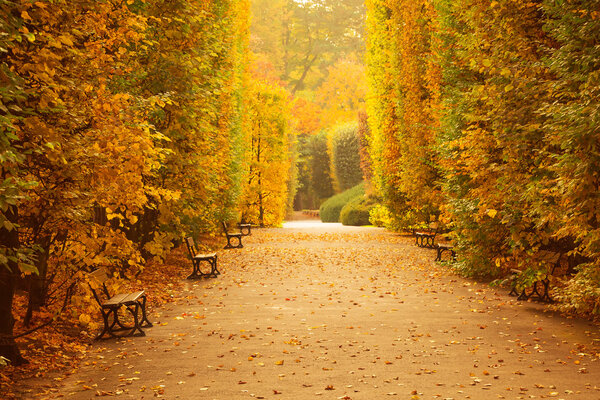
8 281
261 210
307 67
38 284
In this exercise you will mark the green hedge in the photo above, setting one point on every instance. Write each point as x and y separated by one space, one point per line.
319 166
356 212
346 157
330 210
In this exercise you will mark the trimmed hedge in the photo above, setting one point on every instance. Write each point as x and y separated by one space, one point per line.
357 211
345 156
320 166
330 210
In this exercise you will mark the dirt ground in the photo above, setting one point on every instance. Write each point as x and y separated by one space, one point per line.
321 311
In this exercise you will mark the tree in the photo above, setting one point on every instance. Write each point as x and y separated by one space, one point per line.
302 39
364 137
403 106
307 117
97 129
266 192
567 199
342 93
63 114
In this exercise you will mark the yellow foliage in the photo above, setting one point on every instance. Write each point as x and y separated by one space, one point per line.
269 157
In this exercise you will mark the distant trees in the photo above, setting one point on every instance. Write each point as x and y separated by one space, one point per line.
304 38
342 93
312 48
321 180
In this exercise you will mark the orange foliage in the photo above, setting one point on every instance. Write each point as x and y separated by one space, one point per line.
307 117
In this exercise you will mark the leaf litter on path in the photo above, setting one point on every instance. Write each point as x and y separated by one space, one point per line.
358 313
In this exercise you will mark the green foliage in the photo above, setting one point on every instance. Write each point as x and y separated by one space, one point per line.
345 157
330 210
314 172
364 138
494 152
357 211
319 167
197 58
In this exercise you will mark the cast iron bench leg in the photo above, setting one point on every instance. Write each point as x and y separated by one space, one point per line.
214 270
145 321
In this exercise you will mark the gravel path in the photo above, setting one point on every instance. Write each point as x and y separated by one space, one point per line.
321 311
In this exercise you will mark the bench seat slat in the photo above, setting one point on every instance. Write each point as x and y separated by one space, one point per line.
122 298
204 256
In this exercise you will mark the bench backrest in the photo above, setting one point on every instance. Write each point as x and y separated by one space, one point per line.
191 246
224 226
99 276
550 257
97 281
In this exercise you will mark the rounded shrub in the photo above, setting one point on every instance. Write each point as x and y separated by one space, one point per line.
356 212
330 210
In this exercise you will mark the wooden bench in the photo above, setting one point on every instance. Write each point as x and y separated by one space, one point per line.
197 259
245 229
133 303
441 248
230 236
312 213
426 237
538 284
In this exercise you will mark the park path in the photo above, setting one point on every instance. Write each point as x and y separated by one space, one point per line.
321 311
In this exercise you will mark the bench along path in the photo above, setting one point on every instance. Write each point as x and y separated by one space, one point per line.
317 311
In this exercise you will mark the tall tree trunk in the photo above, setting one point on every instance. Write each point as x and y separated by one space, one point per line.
38 284
261 209
8 281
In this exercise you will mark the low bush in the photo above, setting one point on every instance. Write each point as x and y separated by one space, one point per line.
356 212
330 210
380 215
